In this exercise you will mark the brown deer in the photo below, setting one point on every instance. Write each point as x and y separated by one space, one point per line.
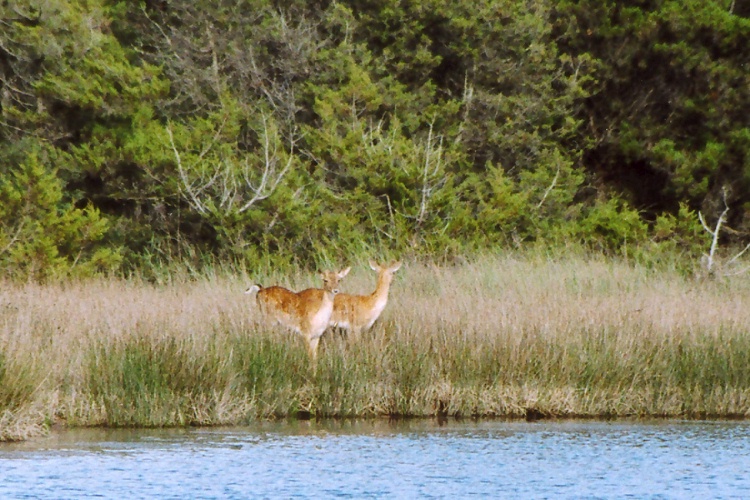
358 312
307 312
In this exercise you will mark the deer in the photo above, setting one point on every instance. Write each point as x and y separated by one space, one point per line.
359 312
307 312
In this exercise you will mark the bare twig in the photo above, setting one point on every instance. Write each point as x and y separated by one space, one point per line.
467 101
734 259
550 188
715 239
192 198
433 160
710 258
13 239
222 189
263 191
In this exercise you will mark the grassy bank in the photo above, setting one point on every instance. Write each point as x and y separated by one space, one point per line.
500 336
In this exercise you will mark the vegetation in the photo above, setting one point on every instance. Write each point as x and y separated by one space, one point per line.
142 135
153 151
498 336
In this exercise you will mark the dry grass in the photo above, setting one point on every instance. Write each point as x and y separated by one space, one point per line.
500 336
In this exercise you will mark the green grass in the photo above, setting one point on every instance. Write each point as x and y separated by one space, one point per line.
498 336
19 380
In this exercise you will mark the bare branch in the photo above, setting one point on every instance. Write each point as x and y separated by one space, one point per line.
467 101
271 156
715 238
166 37
14 238
550 188
737 273
192 198
428 183
734 259
220 189
711 256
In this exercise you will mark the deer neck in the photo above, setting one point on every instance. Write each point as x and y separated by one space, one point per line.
328 297
381 289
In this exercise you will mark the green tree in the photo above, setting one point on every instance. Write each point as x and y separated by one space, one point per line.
69 88
667 111
43 237
296 134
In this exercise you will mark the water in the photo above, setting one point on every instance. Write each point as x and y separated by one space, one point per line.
412 459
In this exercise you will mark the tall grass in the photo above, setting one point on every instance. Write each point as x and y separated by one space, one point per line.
498 336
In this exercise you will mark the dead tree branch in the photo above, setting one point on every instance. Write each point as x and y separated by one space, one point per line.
710 259
433 161
233 186
549 188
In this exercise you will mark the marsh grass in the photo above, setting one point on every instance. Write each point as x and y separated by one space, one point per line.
498 336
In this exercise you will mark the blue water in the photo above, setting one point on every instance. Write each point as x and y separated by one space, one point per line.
412 459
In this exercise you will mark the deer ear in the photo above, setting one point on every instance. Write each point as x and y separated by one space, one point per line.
374 265
395 266
344 272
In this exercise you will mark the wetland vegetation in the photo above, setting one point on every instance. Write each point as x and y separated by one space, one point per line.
498 336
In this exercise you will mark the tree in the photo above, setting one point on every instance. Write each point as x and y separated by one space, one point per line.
41 236
666 113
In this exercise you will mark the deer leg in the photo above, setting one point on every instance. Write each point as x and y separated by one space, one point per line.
313 346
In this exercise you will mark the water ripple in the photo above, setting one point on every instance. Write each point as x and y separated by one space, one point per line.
416 459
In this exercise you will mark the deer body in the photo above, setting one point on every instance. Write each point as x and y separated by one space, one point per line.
359 312
307 312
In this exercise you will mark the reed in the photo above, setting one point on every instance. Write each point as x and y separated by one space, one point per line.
498 336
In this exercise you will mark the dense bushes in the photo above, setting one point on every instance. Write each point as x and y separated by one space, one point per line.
138 135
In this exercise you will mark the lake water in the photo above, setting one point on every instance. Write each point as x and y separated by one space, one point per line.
407 459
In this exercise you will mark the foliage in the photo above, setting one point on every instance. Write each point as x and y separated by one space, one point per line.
666 109
42 236
190 133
